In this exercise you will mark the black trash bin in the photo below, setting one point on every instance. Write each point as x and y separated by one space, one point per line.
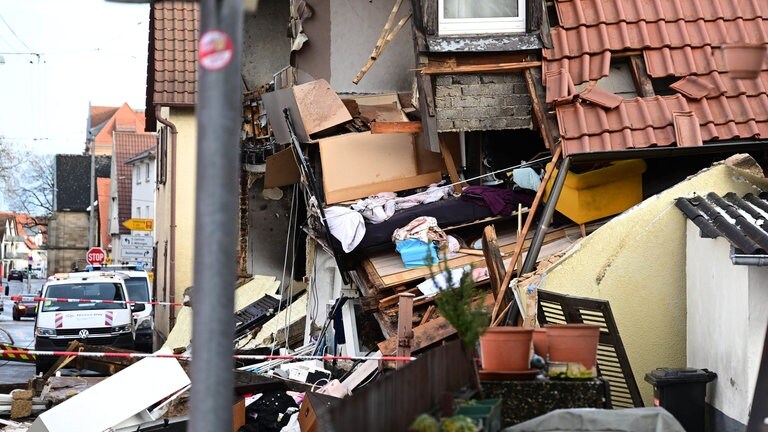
682 392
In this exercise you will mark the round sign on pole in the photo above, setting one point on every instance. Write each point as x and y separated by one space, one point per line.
216 50
96 255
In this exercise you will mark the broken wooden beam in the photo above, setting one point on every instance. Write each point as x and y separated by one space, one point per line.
378 127
404 326
481 68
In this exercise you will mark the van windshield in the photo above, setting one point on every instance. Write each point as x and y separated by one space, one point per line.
138 290
85 291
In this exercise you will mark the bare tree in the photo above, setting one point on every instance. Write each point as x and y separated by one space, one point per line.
29 188
8 160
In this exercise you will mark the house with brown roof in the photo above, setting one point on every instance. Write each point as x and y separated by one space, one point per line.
125 145
171 100
103 121
22 239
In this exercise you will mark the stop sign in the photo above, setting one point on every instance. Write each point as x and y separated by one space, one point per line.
96 255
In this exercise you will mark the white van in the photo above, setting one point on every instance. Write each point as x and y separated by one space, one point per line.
59 323
139 289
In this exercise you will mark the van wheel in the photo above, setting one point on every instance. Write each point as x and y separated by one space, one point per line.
16 316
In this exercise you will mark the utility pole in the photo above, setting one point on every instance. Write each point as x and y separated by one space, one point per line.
216 206
91 146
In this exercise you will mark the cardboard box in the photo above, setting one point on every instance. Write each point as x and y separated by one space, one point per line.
238 415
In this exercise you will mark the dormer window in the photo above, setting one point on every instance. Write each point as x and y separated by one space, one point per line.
462 17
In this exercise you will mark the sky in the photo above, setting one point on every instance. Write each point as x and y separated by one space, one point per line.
89 51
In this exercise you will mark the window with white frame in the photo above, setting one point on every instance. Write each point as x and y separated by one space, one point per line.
457 17
137 174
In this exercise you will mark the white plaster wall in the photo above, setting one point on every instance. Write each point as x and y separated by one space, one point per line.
355 27
637 263
718 321
758 321
143 193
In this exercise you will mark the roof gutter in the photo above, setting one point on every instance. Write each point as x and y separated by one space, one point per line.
749 260
172 232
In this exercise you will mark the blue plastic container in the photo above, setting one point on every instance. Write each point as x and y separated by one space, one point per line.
416 253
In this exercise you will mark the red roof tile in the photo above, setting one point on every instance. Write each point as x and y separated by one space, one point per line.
175 52
682 38
635 123
127 145
560 88
582 69
592 12
601 97
644 34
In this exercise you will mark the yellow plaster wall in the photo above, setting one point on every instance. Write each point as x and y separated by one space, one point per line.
637 262
186 160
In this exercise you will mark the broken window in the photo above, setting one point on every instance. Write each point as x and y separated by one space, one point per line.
475 17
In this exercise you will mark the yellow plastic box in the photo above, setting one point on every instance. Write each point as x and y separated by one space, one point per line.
600 193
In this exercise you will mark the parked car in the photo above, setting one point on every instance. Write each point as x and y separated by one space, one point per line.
15 275
24 309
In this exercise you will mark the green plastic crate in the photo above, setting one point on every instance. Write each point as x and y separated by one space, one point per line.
486 413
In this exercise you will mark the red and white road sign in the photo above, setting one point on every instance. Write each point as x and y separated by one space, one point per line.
216 50
96 255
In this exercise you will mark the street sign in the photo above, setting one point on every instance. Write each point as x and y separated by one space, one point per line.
139 224
96 255
136 252
144 241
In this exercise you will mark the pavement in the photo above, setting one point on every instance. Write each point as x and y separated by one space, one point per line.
22 333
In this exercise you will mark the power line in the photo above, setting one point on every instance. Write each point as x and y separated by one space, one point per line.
14 33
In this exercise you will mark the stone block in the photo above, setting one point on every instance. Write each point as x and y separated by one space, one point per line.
20 394
21 409
444 80
466 79
476 90
501 89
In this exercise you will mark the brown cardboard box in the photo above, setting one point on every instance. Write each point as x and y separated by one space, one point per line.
238 415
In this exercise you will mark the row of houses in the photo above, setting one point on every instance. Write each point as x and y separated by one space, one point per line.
463 92
96 193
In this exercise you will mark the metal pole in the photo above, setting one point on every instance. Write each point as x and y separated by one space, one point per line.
549 210
218 118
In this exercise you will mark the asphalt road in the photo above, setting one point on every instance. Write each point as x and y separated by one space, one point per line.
20 331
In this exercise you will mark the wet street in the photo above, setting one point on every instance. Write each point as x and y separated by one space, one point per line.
20 331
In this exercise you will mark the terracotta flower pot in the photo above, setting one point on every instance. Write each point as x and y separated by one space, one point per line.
573 343
506 349
744 60
540 345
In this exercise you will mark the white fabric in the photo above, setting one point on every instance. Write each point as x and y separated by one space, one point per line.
380 207
346 225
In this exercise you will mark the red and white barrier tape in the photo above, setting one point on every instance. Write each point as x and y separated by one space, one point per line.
70 300
188 357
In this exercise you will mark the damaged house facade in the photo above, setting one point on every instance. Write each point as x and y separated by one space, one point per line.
542 120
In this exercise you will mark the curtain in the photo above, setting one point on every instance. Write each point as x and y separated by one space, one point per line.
480 8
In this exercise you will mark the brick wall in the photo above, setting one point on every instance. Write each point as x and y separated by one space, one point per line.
476 102
67 241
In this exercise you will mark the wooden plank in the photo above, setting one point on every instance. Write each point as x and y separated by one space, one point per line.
643 83
450 165
493 259
388 34
395 127
418 273
431 332
427 334
501 298
370 277
391 300
404 326
428 314
487 68
538 102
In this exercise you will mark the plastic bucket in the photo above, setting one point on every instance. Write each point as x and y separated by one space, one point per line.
573 343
